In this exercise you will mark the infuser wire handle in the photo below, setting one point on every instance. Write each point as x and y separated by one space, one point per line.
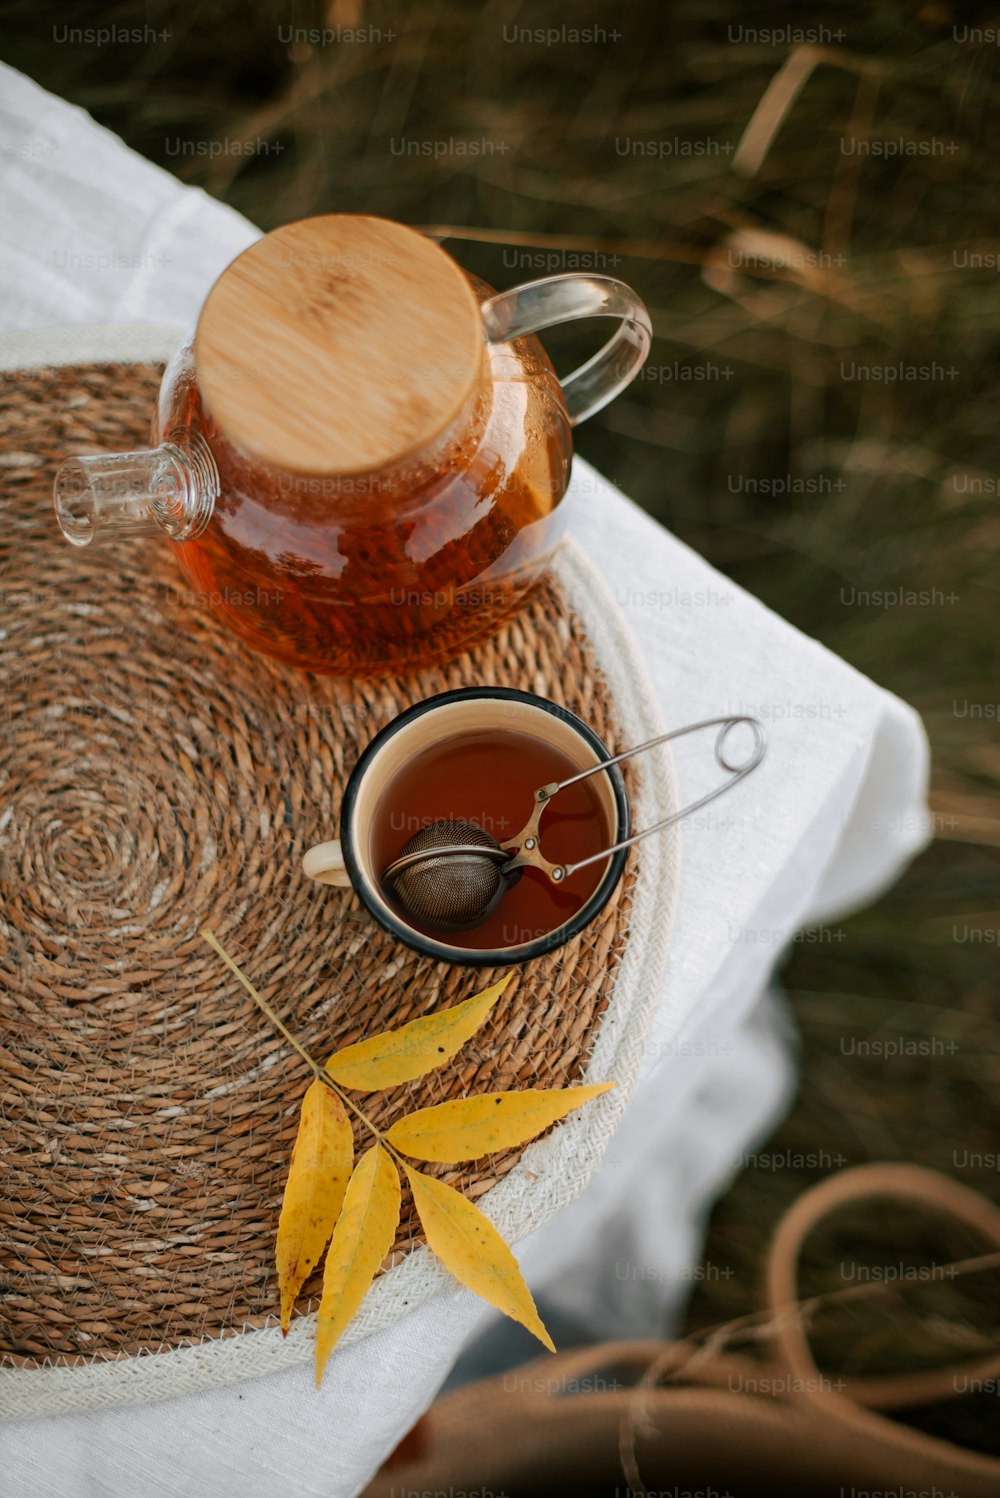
543 796
524 850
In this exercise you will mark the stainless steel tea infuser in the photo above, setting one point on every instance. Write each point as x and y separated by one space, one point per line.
452 874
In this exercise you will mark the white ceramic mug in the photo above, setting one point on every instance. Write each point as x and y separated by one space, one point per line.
347 861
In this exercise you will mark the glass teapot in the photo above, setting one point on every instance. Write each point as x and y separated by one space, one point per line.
361 452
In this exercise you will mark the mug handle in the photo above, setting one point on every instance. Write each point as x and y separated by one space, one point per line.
325 864
556 299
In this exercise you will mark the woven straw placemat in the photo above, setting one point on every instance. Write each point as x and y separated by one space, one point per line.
156 778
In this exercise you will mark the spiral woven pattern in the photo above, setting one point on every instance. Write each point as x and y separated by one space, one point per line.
156 778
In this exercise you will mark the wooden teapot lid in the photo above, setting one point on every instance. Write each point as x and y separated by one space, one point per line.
338 345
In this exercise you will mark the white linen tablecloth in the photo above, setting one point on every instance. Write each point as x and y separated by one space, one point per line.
92 234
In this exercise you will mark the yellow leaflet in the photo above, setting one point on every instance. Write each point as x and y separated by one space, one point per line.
474 1126
362 1238
317 1179
416 1048
470 1247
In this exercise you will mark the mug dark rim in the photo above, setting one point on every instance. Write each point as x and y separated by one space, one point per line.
468 956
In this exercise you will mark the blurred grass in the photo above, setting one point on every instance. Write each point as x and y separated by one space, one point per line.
628 148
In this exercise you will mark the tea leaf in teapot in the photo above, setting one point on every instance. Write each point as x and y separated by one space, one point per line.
467 1128
322 1161
470 1247
414 1049
362 1238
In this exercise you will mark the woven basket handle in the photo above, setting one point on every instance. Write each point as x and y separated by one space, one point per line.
914 1186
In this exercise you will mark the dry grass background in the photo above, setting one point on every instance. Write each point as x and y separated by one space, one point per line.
894 486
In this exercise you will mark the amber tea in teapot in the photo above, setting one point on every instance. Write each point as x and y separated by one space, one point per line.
362 451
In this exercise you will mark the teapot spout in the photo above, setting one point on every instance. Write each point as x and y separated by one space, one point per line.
170 489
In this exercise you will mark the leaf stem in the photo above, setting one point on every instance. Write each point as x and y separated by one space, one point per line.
321 1074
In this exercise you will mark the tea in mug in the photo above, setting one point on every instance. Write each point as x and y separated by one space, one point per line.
489 778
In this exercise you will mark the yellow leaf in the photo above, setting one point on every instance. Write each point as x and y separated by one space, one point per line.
400 1055
362 1238
469 1127
317 1179
470 1247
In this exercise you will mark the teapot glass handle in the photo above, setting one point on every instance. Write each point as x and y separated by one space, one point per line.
542 304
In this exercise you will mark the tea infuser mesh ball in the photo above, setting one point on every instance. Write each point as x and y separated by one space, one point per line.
453 874
448 874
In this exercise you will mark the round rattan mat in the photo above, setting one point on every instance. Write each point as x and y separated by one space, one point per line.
156 778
